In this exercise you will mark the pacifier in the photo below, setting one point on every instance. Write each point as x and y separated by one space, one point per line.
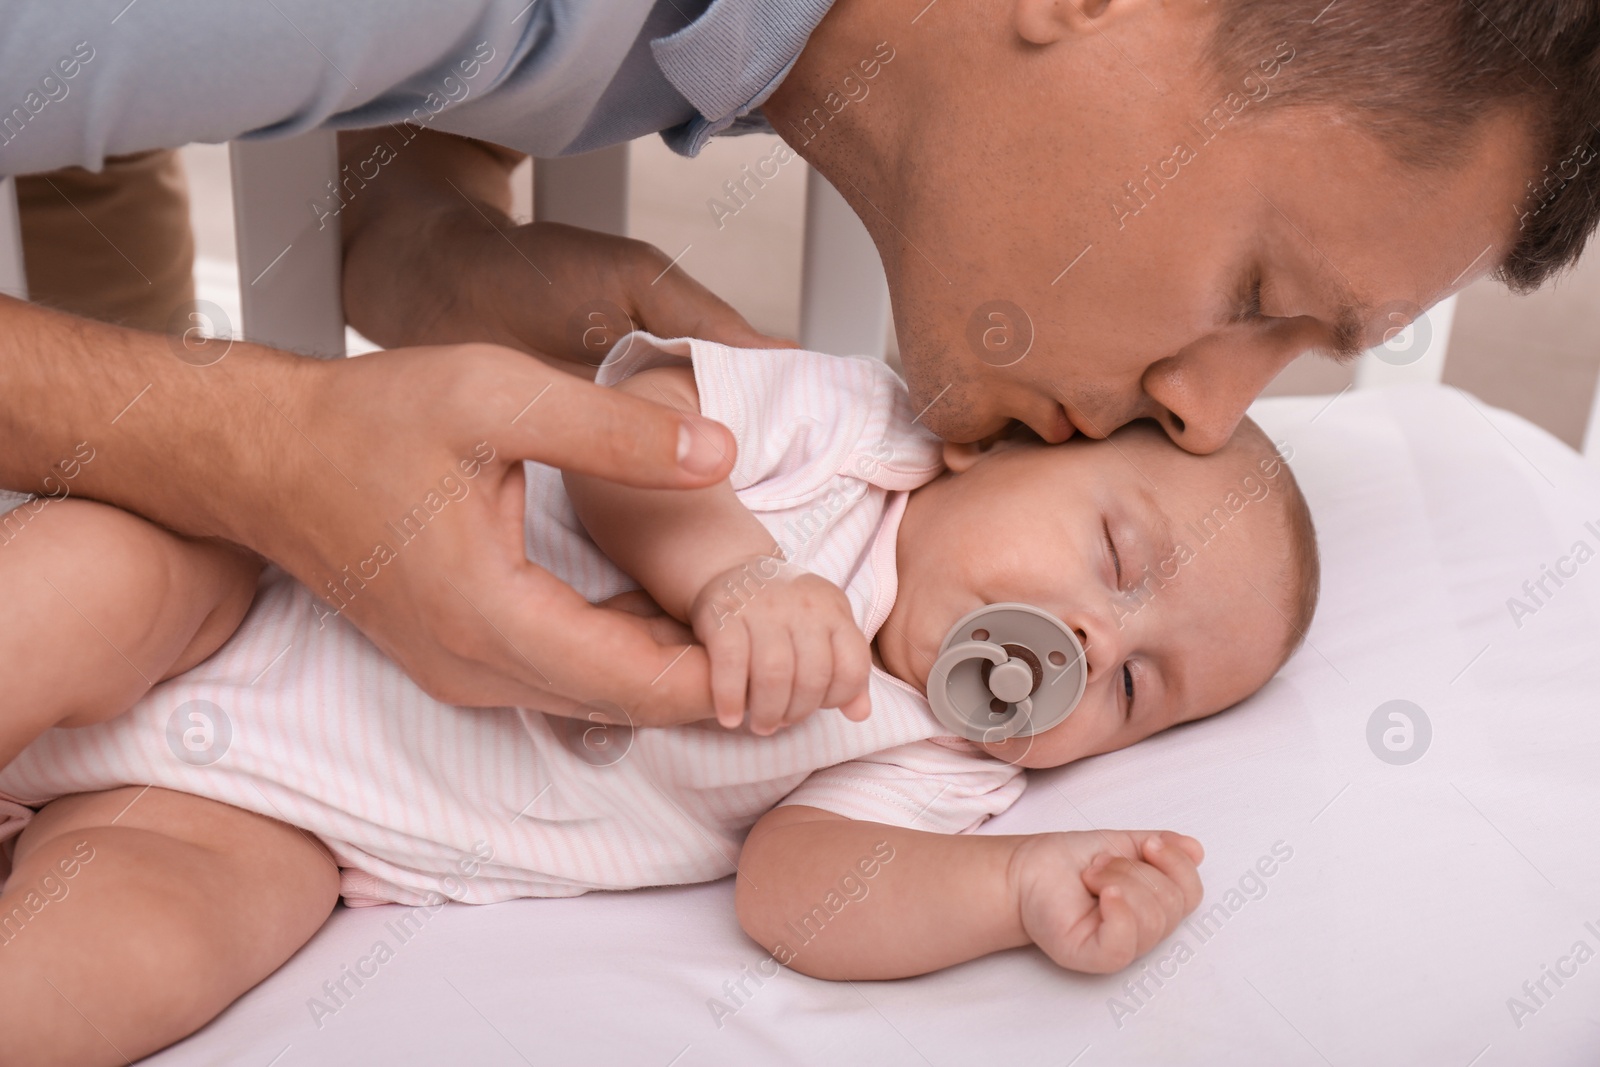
1007 670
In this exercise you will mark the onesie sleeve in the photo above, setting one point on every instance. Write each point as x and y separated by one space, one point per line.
945 787
801 419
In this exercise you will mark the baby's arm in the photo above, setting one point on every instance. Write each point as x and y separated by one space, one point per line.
1093 901
781 641
99 606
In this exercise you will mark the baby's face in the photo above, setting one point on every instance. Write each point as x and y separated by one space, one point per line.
1172 568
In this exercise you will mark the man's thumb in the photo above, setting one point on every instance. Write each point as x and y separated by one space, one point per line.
576 425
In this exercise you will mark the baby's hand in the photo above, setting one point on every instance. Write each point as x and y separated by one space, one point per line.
1097 900
783 643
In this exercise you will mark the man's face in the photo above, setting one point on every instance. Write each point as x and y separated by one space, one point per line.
1087 231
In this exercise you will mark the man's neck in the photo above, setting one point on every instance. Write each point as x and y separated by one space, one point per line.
840 107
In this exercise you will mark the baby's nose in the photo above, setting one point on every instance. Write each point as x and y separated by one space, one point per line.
1102 645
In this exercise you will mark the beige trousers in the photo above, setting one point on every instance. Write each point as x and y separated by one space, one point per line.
114 246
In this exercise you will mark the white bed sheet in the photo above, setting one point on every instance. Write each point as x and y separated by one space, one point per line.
1417 901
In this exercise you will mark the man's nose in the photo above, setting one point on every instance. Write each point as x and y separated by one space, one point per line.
1203 391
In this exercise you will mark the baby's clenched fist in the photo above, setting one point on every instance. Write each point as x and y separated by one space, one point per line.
782 643
1097 900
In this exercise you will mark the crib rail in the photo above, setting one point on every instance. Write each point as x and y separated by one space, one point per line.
289 259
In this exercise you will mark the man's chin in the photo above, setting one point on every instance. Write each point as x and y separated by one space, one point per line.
957 426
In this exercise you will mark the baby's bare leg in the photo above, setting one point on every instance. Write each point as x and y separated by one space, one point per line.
98 606
133 917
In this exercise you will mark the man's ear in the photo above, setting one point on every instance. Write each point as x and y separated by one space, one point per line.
1044 22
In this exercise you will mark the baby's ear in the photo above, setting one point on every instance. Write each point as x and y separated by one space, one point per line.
960 458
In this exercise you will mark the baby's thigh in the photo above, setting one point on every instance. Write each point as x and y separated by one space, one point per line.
134 916
98 605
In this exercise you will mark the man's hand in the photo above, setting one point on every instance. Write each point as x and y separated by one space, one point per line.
397 495
1095 900
433 257
783 642
391 485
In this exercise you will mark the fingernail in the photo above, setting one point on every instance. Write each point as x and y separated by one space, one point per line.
1155 844
698 449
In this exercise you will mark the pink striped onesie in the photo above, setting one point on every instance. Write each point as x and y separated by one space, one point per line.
300 718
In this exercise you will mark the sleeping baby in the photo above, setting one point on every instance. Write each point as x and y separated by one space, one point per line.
822 578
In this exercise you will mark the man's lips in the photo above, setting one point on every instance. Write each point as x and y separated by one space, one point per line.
1052 427
1056 427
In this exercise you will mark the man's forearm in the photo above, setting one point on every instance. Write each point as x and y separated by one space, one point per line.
837 898
169 437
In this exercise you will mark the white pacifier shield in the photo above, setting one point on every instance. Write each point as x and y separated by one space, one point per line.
1037 673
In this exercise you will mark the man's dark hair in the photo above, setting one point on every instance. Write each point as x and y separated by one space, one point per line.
1421 74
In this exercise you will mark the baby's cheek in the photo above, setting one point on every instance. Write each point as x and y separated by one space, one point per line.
1049 749
1007 751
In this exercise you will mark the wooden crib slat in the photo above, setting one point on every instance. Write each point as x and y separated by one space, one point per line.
590 190
287 196
1591 436
844 296
13 278
1415 356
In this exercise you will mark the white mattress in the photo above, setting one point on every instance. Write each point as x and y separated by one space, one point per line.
1417 900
